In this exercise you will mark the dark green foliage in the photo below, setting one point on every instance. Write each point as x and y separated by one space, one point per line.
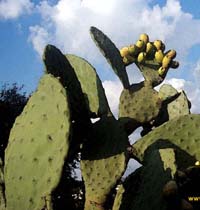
12 102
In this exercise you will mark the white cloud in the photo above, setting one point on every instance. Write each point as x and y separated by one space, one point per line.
66 24
191 89
10 9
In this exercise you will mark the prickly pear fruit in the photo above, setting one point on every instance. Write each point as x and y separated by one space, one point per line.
141 45
144 38
150 49
141 57
166 62
158 44
133 50
124 51
159 56
37 148
171 54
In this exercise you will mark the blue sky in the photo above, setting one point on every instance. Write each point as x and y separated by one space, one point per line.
27 26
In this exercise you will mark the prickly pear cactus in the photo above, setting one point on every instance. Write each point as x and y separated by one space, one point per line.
147 183
57 64
38 145
111 53
103 161
140 103
91 86
180 106
181 133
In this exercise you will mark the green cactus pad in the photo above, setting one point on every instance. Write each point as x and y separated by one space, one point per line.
167 91
38 145
180 106
103 161
57 64
143 189
140 103
91 86
111 53
149 70
180 133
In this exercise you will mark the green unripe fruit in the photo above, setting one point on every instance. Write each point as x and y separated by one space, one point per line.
159 56
161 71
140 44
133 50
141 57
158 44
166 62
124 51
144 38
171 54
128 60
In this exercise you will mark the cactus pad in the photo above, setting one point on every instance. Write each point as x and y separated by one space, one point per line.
148 185
140 103
58 65
38 145
91 86
103 161
111 53
180 133
180 106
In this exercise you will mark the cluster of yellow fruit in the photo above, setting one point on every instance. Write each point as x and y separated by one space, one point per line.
143 50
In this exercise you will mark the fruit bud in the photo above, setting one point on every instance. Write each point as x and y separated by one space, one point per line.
124 51
144 38
128 60
141 57
170 189
159 56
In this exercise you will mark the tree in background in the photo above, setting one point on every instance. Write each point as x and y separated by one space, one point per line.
12 102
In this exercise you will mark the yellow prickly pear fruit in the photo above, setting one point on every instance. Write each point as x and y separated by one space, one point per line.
161 71
197 163
158 44
124 51
174 64
133 49
171 54
166 62
140 44
144 38
141 57
150 48
128 60
159 56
